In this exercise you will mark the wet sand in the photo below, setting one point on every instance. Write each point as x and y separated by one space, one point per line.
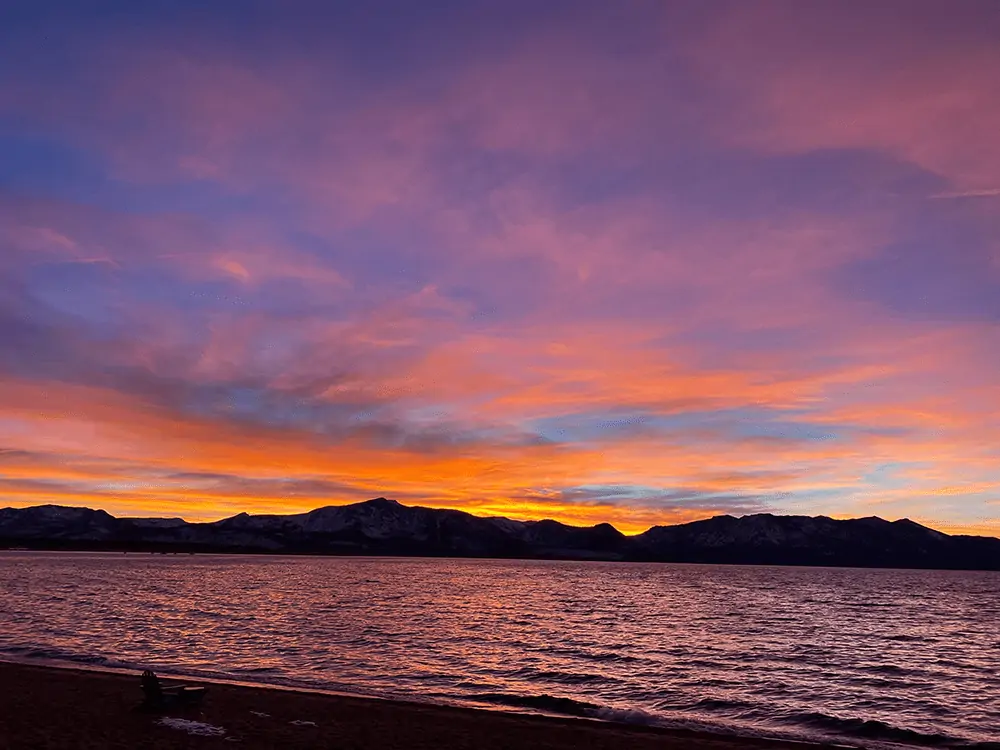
44 707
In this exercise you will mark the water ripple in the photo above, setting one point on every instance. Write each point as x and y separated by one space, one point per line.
876 658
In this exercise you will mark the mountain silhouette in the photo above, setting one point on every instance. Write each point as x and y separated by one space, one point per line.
385 527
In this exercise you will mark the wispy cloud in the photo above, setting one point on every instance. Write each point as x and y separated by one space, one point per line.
639 266
985 193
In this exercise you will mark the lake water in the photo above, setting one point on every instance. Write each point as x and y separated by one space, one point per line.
862 657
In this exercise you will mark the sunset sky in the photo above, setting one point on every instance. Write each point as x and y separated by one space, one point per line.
637 262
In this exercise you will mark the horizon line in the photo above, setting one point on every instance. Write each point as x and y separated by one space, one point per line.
518 520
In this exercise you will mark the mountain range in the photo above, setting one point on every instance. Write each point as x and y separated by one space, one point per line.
385 527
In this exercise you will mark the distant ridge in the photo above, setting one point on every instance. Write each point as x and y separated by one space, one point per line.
385 527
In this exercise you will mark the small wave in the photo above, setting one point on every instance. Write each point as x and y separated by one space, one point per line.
892 669
54 654
599 656
709 705
563 678
552 704
547 703
207 614
870 729
617 658
626 716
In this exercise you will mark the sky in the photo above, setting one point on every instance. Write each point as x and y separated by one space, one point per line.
636 262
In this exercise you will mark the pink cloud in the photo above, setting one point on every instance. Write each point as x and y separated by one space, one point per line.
894 78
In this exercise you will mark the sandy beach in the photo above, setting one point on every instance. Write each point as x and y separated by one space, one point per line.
45 707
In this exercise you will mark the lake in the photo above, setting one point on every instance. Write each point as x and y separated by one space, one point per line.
863 657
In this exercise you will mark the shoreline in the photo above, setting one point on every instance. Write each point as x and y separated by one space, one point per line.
79 706
251 553
223 553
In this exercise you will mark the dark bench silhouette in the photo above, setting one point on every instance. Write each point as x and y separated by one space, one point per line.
168 696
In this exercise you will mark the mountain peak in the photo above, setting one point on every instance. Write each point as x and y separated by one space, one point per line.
381 526
383 501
